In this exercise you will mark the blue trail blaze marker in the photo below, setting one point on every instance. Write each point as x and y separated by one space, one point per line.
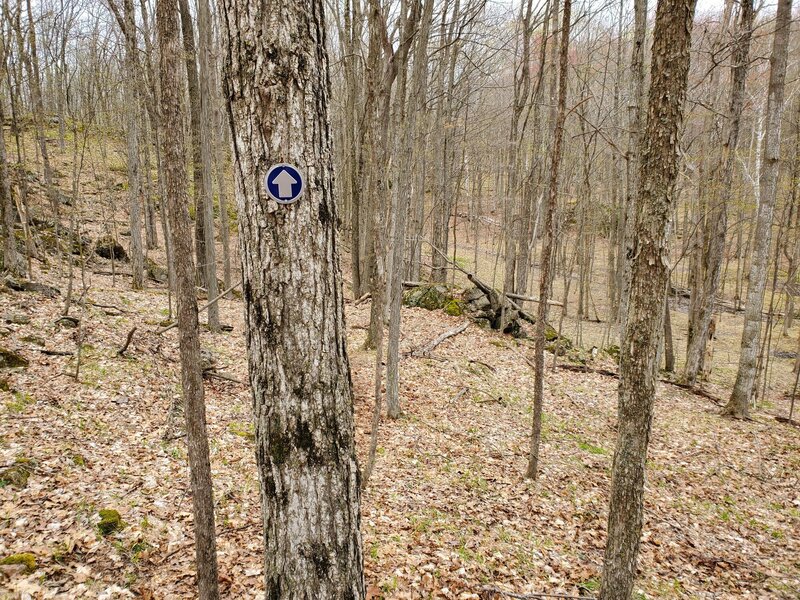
284 183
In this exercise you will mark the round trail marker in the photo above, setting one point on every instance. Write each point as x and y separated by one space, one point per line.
284 183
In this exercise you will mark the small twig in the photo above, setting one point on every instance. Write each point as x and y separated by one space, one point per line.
121 351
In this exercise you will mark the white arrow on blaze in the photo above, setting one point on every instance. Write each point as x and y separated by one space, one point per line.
284 181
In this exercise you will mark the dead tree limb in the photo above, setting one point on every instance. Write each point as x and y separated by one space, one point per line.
697 391
426 350
205 306
121 351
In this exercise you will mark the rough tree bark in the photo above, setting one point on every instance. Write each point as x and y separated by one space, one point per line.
658 170
278 89
738 405
191 376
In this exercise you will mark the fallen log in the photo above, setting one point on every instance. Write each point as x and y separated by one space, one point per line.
697 391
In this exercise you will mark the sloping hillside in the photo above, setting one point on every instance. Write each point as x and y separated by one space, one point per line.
447 513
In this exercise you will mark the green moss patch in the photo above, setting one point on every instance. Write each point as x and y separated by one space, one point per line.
110 521
23 558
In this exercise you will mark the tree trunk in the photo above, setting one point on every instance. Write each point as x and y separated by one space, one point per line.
719 210
132 137
206 200
35 82
12 261
278 89
658 170
547 248
635 109
738 405
195 119
191 376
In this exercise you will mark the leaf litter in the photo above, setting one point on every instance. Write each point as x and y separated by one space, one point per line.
447 513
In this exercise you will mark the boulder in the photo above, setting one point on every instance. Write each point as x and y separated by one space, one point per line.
12 360
20 285
16 318
17 474
24 560
108 247
429 297
156 272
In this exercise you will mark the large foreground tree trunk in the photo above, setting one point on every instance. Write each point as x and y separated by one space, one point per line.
738 405
658 171
278 89
191 376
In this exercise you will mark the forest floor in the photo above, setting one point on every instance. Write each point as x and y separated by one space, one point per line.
447 512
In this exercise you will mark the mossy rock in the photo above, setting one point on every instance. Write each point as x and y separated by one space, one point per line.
429 297
155 271
110 521
454 308
17 474
483 323
108 247
12 360
612 351
16 318
23 558
33 339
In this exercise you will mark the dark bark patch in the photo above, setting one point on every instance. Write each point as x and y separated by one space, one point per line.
273 589
279 444
319 557
304 440
324 213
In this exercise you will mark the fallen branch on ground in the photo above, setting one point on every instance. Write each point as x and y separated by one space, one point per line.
222 376
204 307
426 350
121 351
56 352
697 391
